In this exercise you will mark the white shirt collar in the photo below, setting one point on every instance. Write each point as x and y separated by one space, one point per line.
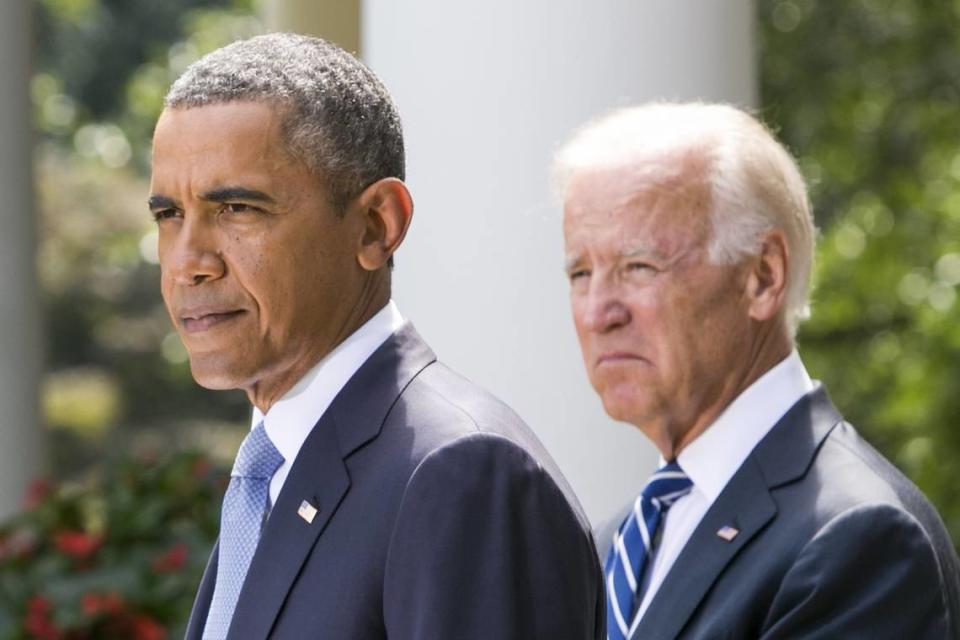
714 456
290 420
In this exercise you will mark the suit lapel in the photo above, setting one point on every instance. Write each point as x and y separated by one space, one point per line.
746 504
319 475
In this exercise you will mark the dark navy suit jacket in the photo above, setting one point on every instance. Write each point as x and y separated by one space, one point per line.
833 542
440 516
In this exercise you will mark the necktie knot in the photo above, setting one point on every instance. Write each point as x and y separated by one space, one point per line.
258 457
667 485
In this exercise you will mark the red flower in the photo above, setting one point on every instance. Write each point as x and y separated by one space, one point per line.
38 605
38 623
38 491
95 604
79 545
146 628
172 560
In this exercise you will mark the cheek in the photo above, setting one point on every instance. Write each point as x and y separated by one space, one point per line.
670 331
166 283
712 338
265 280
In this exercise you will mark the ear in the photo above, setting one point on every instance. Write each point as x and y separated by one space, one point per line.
767 279
386 209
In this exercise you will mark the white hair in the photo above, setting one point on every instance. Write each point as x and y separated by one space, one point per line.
754 182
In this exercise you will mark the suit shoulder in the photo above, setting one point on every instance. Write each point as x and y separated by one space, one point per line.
865 561
480 462
856 490
438 385
442 413
860 474
442 406
847 472
491 477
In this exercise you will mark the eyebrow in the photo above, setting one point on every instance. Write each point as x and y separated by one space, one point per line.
639 250
161 202
222 194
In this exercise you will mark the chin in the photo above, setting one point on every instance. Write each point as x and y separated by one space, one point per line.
618 409
216 376
620 395
624 405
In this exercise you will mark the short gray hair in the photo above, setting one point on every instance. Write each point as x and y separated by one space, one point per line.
755 183
340 121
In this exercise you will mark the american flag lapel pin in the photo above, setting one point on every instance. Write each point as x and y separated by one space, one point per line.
307 511
727 533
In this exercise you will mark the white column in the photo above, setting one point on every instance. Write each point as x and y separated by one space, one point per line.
21 437
487 90
335 20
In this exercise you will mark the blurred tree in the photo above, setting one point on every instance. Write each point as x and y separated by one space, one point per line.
866 93
117 373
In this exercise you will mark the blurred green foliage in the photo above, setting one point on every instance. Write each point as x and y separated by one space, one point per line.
115 550
117 375
117 556
867 94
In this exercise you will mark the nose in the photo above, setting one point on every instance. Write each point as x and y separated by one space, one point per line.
189 254
603 310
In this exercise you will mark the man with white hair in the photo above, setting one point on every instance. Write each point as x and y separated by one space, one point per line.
689 245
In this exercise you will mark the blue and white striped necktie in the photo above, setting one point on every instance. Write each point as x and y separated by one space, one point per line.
244 507
631 546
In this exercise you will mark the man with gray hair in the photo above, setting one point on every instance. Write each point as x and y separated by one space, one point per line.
689 244
378 494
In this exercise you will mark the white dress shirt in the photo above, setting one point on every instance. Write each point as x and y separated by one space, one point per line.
714 456
290 420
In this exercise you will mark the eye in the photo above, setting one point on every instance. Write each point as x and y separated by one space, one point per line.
640 267
238 207
578 274
159 215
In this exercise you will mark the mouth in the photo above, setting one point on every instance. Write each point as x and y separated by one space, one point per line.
618 357
203 320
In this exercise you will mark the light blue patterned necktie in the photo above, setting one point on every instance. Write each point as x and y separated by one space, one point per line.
631 546
242 517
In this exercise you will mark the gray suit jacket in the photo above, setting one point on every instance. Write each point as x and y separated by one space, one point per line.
440 516
833 542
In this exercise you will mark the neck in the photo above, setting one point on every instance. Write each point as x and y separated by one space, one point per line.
372 297
772 346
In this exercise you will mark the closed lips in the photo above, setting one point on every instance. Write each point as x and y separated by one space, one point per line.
204 319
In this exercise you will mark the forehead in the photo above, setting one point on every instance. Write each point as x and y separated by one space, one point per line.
245 118
629 205
219 142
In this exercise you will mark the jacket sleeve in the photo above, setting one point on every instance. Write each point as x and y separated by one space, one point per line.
870 573
485 545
